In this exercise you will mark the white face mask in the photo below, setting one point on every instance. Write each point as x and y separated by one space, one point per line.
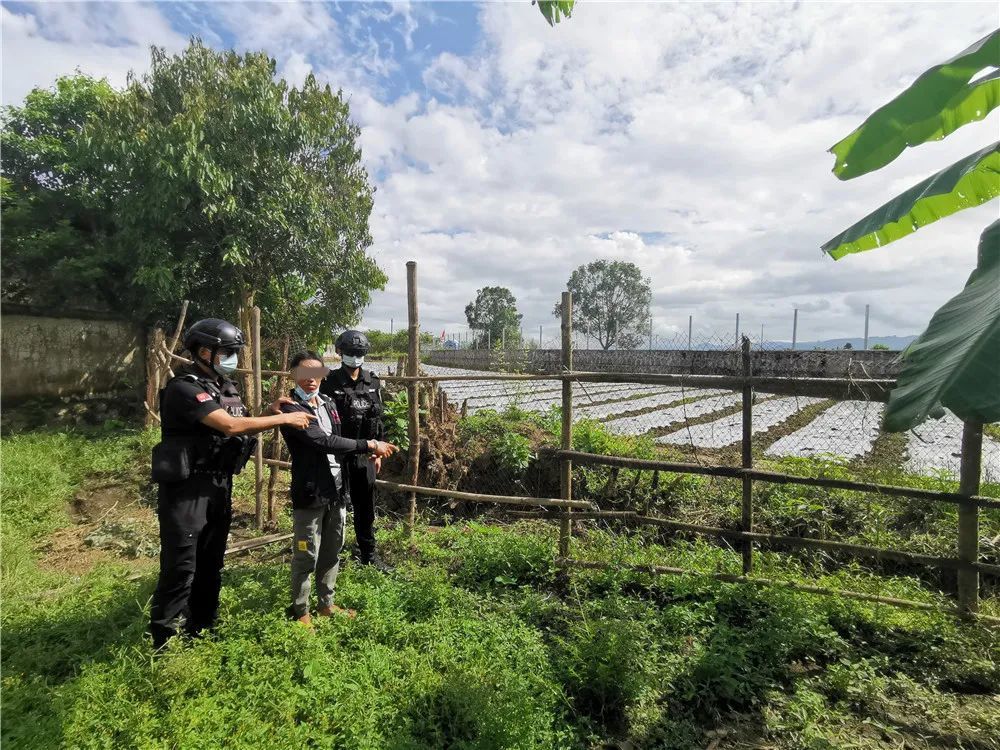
352 361
227 365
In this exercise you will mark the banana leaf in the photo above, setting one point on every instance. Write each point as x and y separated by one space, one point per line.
942 92
955 363
966 183
554 10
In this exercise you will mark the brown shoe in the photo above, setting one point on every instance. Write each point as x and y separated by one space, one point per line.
334 609
305 621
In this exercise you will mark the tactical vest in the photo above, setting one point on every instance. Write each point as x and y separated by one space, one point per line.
201 449
358 404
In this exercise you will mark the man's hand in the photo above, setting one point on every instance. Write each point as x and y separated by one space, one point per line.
275 406
378 466
298 419
381 449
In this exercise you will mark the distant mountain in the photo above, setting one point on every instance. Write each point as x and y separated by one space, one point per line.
895 343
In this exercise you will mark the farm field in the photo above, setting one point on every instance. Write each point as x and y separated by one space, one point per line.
848 429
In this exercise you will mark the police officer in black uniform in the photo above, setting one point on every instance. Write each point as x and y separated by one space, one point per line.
356 392
205 439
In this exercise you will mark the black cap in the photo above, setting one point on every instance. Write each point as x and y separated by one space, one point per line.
213 333
354 343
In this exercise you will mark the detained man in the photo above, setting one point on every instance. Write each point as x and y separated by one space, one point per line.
319 492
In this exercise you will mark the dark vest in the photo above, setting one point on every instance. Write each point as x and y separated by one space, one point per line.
210 451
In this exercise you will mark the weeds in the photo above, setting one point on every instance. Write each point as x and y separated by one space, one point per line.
476 642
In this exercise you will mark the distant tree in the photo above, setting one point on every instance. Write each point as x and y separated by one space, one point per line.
880 348
383 342
610 302
848 345
494 315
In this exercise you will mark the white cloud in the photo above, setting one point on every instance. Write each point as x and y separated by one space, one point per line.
52 40
707 123
688 138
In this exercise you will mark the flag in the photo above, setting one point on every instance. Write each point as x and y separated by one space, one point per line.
442 335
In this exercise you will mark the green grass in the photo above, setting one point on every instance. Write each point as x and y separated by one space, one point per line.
476 641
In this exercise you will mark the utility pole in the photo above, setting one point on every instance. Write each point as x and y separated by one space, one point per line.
390 327
761 335
690 327
650 333
539 337
737 329
795 326
867 307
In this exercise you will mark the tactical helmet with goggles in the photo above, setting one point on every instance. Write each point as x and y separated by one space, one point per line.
353 343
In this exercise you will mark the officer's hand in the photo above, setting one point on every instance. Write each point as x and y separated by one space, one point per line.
378 465
383 450
275 406
298 419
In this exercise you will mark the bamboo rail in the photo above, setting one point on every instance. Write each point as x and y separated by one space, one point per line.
736 472
773 583
467 497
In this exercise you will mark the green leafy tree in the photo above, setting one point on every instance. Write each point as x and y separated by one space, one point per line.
56 252
610 302
384 342
217 183
494 315
953 363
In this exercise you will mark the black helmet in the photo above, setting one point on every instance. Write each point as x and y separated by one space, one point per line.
213 333
353 343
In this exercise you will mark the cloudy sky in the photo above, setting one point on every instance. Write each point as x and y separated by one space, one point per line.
688 138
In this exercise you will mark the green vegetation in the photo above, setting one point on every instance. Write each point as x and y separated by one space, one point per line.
610 303
493 313
207 178
397 419
951 364
477 641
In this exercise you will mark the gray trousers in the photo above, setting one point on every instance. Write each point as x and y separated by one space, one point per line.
319 538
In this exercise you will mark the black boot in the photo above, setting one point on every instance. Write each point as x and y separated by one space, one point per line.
372 558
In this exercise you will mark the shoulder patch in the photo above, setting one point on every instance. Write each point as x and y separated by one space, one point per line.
202 397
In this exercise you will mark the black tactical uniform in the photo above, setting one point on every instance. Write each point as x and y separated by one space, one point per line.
359 404
194 467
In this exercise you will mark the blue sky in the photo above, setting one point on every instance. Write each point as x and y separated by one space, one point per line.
688 138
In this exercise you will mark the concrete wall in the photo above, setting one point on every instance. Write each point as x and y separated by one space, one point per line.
836 363
68 356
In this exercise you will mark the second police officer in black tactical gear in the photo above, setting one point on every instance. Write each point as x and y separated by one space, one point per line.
205 439
356 392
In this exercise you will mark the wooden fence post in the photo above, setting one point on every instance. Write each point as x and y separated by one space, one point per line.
968 516
258 397
413 390
747 460
154 358
566 466
272 480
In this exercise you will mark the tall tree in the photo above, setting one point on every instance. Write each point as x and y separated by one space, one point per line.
225 186
610 302
55 230
494 314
